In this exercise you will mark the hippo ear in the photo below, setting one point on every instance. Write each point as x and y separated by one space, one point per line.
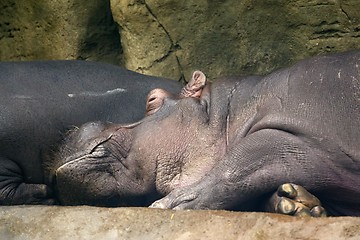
155 100
194 86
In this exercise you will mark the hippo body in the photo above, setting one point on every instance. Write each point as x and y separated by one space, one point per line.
228 144
41 100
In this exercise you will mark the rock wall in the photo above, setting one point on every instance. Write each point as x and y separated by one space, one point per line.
171 38
37 222
174 37
42 29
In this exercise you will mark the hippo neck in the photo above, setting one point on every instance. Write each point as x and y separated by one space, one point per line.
229 107
226 95
197 158
212 140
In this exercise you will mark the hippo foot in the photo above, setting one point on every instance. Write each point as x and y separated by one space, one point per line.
29 194
294 200
183 198
196 196
176 200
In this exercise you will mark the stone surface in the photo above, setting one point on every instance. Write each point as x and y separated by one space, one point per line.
172 38
73 29
54 222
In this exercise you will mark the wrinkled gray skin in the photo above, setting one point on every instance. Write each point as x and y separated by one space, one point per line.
230 144
41 100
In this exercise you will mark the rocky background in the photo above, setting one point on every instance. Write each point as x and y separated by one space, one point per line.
171 38
58 29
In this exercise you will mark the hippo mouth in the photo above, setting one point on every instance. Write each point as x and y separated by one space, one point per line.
87 181
98 171
77 160
71 168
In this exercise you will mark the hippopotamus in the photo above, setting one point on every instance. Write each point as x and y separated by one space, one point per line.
229 144
42 100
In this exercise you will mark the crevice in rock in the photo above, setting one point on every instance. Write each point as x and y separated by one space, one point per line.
182 78
173 48
316 4
345 13
160 24
159 60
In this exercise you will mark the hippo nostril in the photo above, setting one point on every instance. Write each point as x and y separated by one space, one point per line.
151 99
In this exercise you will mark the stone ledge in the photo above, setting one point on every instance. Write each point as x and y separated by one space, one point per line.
84 222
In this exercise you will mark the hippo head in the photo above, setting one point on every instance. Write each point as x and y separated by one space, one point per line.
87 167
129 165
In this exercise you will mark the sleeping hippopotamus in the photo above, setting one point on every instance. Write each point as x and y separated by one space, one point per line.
229 145
40 100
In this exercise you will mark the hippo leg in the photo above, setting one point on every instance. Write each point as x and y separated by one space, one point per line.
257 165
294 200
14 191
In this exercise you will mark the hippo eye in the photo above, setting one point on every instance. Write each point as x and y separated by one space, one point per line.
99 151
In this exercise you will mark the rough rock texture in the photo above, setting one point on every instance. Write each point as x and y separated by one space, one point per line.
42 29
172 38
37 222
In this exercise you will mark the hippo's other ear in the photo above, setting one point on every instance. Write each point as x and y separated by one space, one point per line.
155 100
194 86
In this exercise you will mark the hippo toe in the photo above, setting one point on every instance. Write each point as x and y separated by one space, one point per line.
294 200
